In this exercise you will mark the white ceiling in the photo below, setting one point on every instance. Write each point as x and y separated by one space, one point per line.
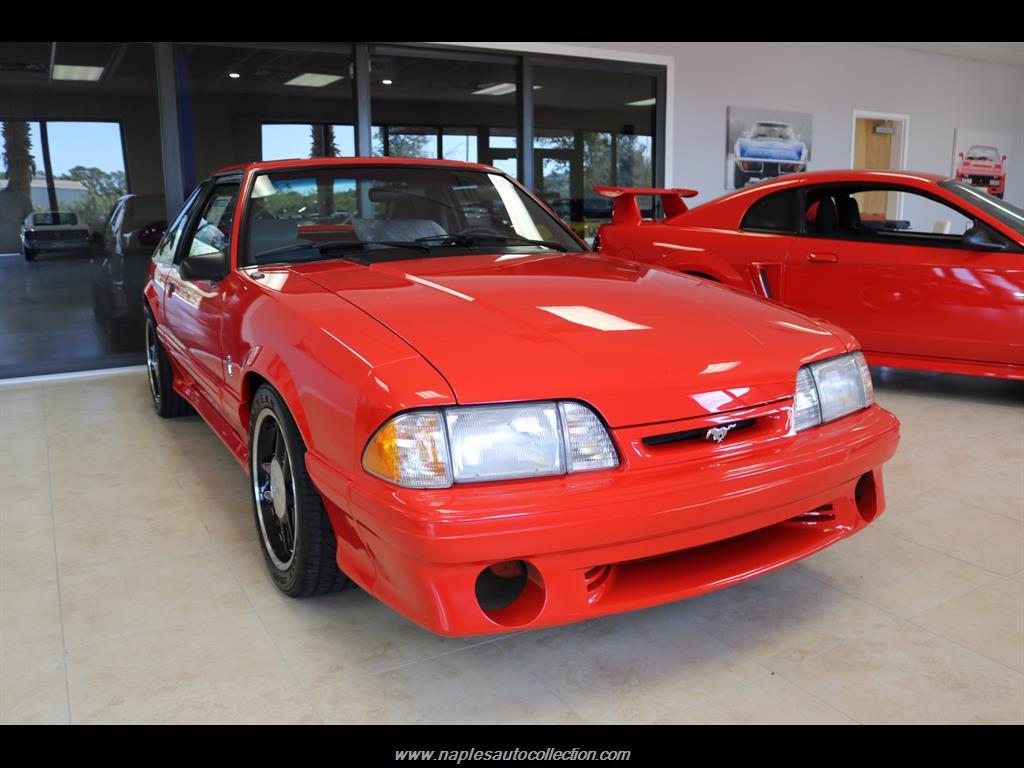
1002 53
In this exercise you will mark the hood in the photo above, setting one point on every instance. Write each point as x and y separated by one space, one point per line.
640 344
774 149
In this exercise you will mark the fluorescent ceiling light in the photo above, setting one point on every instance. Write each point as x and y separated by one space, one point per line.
314 80
642 103
500 89
386 82
76 72
234 75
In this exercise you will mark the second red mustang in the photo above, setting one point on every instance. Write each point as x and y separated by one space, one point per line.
926 272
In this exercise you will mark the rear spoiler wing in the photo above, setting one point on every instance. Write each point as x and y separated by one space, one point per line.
627 209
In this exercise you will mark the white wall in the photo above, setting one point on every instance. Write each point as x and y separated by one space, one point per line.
830 80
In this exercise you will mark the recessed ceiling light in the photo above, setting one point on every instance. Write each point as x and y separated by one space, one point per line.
642 103
76 72
387 82
314 80
234 75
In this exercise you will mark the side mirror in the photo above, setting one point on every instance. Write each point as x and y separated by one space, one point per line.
204 266
1004 158
150 235
979 239
961 155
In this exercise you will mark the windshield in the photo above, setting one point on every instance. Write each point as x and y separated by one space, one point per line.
772 131
983 153
55 218
388 211
1008 214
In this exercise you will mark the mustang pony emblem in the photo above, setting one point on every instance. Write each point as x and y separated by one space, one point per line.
718 433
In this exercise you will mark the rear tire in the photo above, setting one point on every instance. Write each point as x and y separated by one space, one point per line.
299 545
739 178
167 403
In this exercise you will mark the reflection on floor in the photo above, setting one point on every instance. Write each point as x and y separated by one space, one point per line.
46 319
132 596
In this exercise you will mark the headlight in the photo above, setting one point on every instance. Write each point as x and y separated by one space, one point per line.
830 389
433 449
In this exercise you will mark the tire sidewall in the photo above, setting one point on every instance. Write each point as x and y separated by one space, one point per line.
286 579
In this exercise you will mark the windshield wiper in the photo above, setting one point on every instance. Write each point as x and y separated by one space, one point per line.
333 246
468 241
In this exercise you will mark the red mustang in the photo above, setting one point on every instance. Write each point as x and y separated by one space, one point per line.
442 394
926 272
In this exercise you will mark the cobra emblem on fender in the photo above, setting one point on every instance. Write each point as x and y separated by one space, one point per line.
718 433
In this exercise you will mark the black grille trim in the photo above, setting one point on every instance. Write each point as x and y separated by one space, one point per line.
693 434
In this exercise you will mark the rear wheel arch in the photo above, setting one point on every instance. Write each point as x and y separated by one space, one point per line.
702 275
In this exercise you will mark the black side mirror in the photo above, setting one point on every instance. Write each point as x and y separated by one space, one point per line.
151 234
979 239
204 266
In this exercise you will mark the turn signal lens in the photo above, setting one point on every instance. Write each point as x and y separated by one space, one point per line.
411 450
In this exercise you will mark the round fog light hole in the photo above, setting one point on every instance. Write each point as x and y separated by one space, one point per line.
510 593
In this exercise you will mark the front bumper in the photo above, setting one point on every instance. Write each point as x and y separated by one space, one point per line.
610 541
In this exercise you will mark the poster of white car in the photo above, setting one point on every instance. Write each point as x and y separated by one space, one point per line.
763 144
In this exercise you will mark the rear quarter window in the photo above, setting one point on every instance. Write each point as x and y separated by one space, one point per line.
778 212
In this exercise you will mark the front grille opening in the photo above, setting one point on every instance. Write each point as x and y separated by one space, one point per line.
699 433
823 514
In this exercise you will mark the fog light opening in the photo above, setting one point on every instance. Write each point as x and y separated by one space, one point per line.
866 496
510 593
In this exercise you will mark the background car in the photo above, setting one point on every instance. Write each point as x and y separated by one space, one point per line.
929 276
482 423
120 263
53 232
983 166
766 150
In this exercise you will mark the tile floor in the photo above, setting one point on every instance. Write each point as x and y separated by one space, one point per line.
133 590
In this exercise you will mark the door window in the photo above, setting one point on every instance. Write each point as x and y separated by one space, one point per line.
164 253
213 230
884 214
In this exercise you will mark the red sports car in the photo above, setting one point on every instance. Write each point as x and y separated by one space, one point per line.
983 167
441 394
926 272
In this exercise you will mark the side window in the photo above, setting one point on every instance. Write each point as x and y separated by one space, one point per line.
213 229
883 213
774 213
164 253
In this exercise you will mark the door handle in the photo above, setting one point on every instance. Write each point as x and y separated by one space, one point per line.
822 258
171 287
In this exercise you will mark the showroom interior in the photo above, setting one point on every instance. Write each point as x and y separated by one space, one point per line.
134 586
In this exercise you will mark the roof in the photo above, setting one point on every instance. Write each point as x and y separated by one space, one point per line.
332 162
851 175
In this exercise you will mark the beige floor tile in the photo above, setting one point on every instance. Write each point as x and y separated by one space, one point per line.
331 639
478 685
769 701
229 521
30 621
26 558
118 599
785 616
122 537
965 531
635 667
220 670
893 574
26 513
250 570
989 620
33 691
17 401
906 674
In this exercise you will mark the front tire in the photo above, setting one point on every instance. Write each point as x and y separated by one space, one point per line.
29 254
739 178
299 544
166 402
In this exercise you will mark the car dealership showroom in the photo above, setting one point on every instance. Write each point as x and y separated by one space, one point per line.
566 383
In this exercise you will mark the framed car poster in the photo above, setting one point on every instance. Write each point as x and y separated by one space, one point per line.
980 158
764 144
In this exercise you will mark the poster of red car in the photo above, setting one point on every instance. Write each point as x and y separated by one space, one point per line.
980 158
